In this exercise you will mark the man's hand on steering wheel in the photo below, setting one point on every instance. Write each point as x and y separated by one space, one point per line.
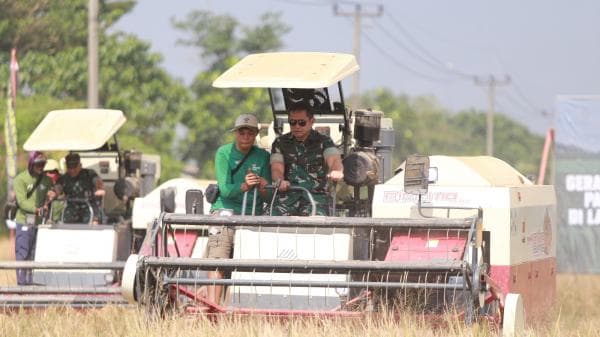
336 175
262 184
283 185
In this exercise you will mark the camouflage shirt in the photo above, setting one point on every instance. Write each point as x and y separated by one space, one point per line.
304 161
81 186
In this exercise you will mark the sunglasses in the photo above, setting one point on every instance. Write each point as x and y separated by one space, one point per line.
301 122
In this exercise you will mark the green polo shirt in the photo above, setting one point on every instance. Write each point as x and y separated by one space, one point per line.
24 182
230 193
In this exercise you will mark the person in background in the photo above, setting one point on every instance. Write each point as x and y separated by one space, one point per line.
84 186
55 208
33 191
51 170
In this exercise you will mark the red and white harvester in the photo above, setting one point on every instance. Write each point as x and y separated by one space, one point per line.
468 236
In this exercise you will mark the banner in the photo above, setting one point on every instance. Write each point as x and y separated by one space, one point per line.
577 181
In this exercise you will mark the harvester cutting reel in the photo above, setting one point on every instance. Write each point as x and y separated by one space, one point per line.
451 277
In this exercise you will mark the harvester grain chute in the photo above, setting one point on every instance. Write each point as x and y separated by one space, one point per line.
463 235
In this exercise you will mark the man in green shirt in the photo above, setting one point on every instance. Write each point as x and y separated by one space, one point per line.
240 167
255 170
307 158
33 190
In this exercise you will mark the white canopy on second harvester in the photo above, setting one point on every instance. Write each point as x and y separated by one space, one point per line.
75 130
288 70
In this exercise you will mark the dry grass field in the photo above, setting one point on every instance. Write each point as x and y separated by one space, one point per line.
576 314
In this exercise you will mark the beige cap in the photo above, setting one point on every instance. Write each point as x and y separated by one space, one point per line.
51 165
246 121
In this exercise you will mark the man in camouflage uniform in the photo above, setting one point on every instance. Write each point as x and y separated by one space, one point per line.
303 157
83 185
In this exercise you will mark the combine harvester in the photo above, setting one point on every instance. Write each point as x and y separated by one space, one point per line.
468 236
80 264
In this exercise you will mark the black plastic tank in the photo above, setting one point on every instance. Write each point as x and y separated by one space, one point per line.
133 161
367 124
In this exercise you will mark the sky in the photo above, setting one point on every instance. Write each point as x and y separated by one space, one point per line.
546 47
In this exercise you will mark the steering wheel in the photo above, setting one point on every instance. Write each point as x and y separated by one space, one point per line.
84 201
309 195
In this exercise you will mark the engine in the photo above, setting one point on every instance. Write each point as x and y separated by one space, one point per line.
369 162
137 176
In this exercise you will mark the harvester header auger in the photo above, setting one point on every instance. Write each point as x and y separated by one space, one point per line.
61 284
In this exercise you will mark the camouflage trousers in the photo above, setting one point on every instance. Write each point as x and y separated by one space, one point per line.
80 213
293 204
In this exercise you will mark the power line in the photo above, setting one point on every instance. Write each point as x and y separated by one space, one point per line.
413 40
400 64
431 59
438 63
444 39
510 96
407 42
357 13
431 64
514 102
523 97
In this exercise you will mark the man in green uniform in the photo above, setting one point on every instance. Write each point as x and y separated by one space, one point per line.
254 171
240 167
83 188
33 193
307 158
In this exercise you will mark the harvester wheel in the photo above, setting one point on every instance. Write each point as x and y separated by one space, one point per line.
128 283
513 320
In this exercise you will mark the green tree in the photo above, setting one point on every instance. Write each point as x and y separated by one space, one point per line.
131 77
50 26
222 41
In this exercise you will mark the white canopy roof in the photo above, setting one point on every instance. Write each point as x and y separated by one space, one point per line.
306 70
75 129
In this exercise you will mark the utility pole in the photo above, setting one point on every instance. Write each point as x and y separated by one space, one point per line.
491 82
357 13
92 95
